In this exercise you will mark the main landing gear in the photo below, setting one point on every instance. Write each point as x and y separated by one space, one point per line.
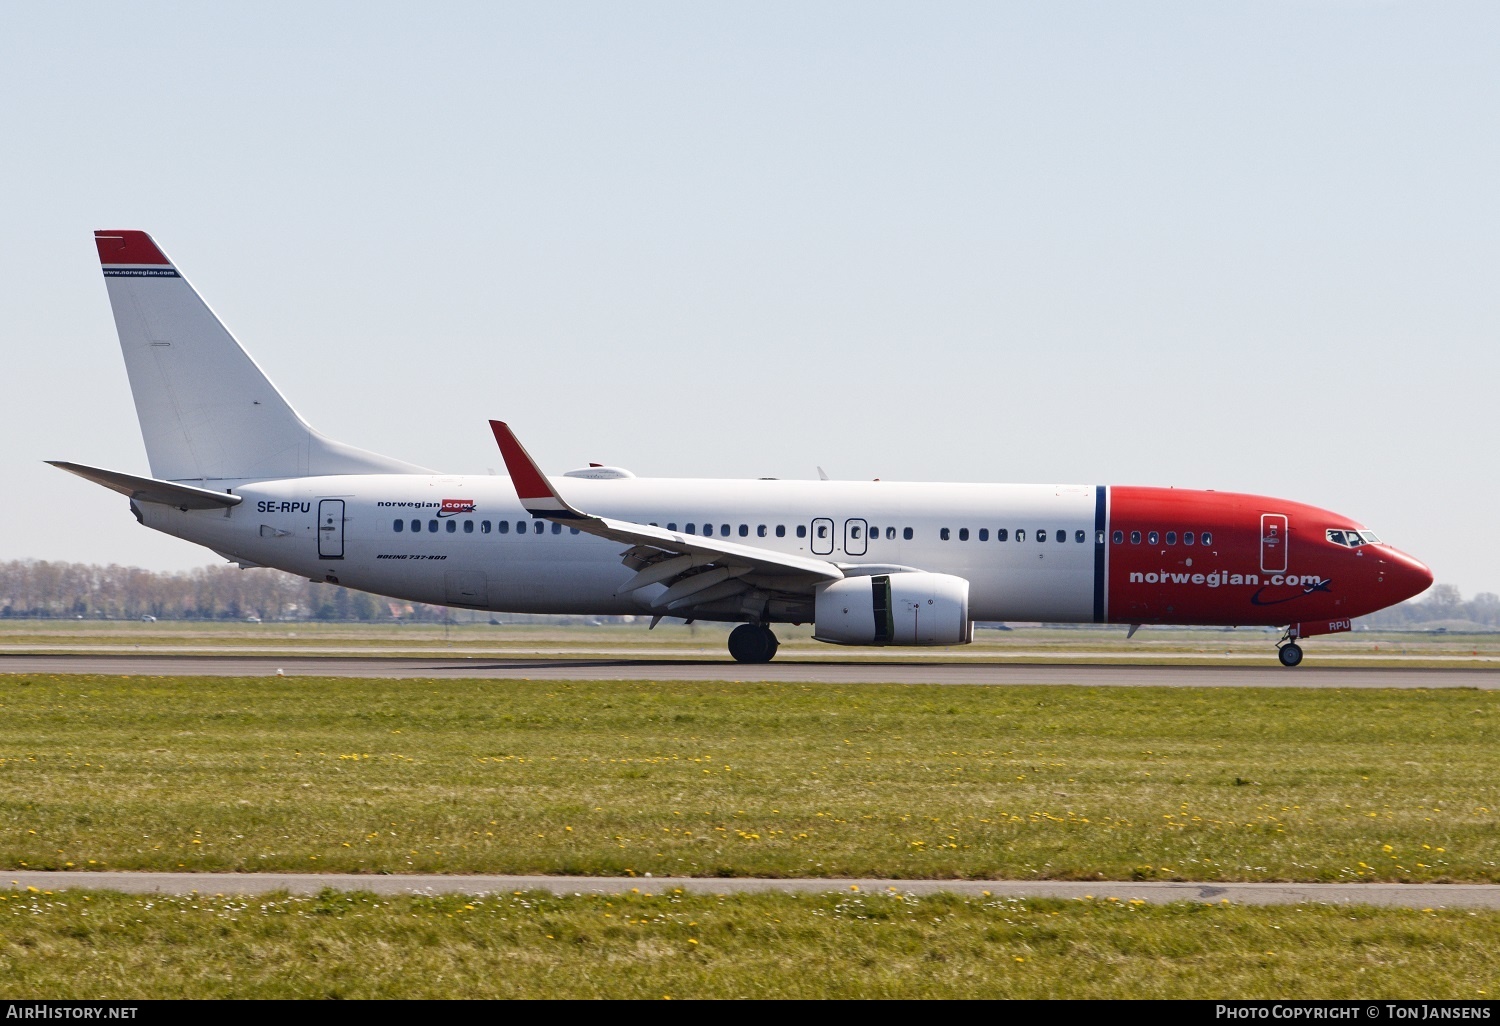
752 643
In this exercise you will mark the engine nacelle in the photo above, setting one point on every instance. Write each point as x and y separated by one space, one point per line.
894 609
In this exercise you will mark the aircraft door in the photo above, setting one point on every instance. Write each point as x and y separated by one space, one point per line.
1273 541
856 533
331 529
822 536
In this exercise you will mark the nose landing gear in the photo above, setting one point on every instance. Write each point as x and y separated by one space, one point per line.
1288 651
753 643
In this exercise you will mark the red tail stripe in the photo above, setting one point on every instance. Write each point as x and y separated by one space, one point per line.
128 247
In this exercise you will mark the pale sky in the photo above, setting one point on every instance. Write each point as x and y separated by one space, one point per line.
1243 246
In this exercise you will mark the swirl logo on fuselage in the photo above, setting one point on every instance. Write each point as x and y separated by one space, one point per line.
1307 589
453 507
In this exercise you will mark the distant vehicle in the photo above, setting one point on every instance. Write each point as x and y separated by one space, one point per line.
148 618
235 468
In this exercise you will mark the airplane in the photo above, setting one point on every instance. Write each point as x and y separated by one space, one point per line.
868 563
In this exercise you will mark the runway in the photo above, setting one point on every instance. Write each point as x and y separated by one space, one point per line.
1419 896
820 671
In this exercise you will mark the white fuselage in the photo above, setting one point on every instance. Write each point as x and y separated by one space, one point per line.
451 546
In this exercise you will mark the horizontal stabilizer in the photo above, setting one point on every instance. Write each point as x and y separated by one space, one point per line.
146 489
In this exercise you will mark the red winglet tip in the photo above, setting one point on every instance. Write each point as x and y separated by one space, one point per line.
128 246
529 481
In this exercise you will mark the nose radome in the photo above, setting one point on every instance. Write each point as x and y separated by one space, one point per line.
1407 576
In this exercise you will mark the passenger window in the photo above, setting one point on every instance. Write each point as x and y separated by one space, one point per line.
963 534
943 534
744 530
1171 537
1153 538
853 532
781 530
399 526
984 534
557 528
537 527
1080 536
432 527
416 525
1062 536
503 526
1100 539
1001 534
1207 538
760 530
1020 534
520 527
689 528
801 530
484 527
906 533
671 527
452 526
1041 534
468 527
822 530
724 530
1135 537
708 530
1119 537
1187 537
572 530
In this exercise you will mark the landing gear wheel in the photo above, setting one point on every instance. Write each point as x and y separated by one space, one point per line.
1290 654
752 643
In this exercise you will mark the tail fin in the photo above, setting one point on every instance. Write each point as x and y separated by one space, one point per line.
207 412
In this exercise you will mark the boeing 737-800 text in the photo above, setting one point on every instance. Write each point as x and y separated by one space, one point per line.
234 468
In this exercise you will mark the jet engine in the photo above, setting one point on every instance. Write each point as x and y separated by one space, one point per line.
914 608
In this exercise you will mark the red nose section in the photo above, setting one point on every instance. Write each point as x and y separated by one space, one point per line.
1407 577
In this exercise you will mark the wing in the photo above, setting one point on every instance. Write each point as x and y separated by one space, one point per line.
697 571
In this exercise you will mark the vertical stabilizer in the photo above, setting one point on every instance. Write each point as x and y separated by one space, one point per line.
207 412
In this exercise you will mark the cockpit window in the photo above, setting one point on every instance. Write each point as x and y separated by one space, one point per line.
1352 538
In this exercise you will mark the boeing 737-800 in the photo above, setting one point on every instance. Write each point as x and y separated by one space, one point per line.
234 468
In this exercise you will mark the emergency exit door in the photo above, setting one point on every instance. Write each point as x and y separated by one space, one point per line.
1273 531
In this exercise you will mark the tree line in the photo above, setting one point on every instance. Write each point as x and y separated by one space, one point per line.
1444 605
44 588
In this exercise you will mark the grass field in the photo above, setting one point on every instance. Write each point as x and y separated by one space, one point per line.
607 778
735 779
99 945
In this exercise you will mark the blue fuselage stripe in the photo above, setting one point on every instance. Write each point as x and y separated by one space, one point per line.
1100 540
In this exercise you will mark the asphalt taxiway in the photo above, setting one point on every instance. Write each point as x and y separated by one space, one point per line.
1419 896
819 671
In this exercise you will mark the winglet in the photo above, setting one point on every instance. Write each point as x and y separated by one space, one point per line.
532 487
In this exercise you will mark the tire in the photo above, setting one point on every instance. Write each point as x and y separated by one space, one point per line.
1290 654
771 644
752 643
